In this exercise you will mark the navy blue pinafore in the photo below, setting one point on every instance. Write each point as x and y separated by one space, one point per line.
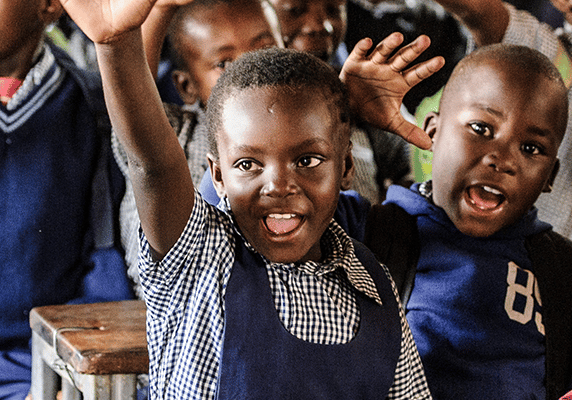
262 360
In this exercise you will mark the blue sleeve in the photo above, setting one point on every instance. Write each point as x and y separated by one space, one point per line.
351 213
107 280
207 190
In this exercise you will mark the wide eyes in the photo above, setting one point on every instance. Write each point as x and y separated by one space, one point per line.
531 149
309 162
483 129
247 165
480 128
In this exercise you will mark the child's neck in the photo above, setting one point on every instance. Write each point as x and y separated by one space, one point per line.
19 64
14 70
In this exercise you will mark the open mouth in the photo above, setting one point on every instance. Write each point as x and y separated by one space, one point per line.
281 224
485 198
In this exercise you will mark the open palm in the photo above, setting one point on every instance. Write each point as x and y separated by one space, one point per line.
106 20
378 82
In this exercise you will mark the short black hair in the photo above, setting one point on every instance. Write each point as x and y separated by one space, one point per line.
176 29
530 62
275 68
174 49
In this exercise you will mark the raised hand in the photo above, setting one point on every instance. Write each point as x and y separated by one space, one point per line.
104 21
377 83
155 28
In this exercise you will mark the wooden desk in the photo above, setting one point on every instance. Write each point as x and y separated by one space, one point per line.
98 350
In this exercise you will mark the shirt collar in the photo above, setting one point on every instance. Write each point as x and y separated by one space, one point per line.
45 61
338 252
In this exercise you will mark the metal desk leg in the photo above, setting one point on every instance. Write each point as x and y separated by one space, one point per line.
44 379
69 391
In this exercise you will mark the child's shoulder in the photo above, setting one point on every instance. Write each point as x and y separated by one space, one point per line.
392 235
550 245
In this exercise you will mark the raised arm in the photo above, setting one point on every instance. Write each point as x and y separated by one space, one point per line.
155 30
377 83
158 169
487 20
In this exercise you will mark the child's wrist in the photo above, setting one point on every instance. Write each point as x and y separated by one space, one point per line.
121 40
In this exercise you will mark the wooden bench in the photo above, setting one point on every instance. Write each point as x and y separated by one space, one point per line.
97 349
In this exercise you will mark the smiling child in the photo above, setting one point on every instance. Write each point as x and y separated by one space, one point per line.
205 37
268 297
486 306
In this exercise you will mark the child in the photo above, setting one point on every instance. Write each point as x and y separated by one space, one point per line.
492 21
317 27
490 302
58 192
280 154
205 37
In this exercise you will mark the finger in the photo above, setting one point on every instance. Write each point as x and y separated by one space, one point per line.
386 47
360 50
409 53
422 71
410 132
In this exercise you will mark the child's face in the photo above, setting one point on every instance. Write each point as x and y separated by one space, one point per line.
21 24
282 162
214 38
495 144
316 26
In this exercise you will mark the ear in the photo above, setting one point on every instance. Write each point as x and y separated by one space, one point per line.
348 169
51 11
430 124
216 176
548 186
185 86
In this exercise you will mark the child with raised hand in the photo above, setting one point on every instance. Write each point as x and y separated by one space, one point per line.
489 295
205 36
279 125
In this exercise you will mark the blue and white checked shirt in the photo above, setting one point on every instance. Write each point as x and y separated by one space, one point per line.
185 306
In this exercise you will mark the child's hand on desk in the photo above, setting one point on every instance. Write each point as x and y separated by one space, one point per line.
377 83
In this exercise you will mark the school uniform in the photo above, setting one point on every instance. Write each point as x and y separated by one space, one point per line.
490 315
54 247
223 321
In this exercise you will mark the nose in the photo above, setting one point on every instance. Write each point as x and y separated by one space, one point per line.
316 21
502 158
280 182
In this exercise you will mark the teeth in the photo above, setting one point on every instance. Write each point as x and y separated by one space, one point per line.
492 190
281 216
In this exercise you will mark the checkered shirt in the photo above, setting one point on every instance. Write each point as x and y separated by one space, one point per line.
185 306
189 122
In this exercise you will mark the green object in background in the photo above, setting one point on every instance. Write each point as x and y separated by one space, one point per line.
421 159
57 37
564 65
